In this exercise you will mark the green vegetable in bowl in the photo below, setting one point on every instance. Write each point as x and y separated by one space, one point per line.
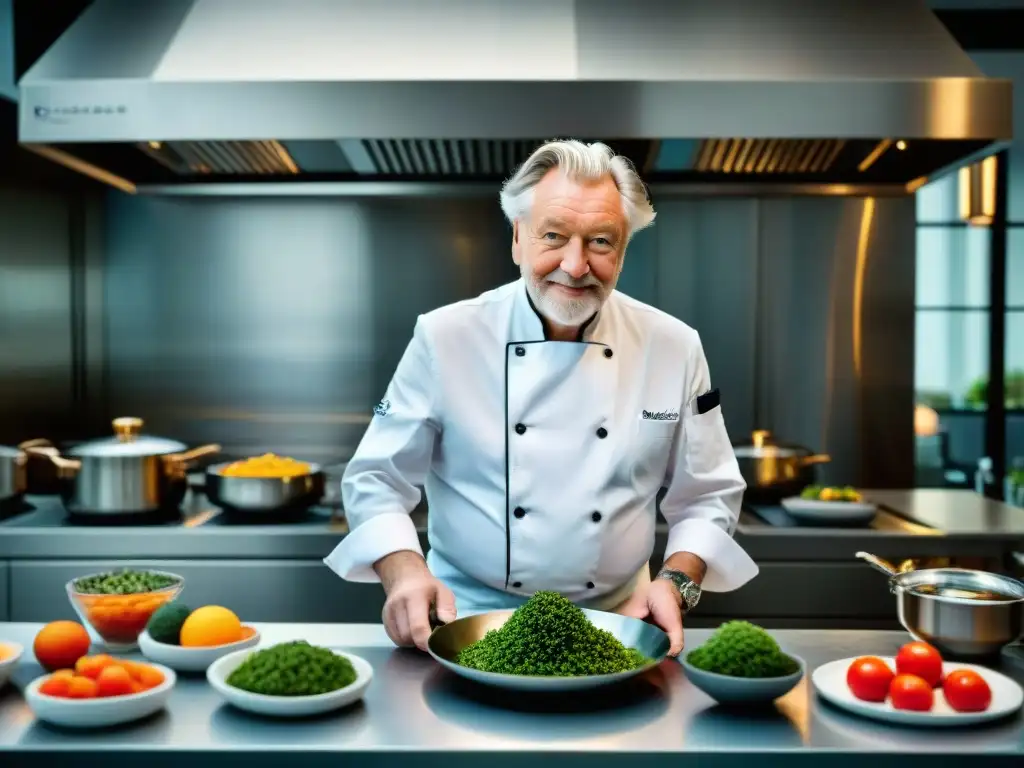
742 649
127 582
830 493
293 669
550 636
164 625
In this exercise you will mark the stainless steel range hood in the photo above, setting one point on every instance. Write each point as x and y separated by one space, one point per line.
847 93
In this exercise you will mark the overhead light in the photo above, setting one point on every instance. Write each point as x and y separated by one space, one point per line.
901 145
978 192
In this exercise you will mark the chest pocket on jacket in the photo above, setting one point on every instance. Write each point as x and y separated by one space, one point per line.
707 442
652 446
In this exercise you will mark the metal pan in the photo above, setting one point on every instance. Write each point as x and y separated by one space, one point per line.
127 473
264 495
448 640
774 470
964 613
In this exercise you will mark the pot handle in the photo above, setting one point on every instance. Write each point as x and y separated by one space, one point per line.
39 442
883 566
818 458
187 457
65 467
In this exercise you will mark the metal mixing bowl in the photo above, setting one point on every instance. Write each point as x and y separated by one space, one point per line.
449 639
964 613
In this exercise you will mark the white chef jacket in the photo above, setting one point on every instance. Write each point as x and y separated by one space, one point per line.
542 460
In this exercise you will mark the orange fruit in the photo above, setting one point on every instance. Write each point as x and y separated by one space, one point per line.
209 626
5 651
114 680
133 668
150 677
56 685
63 674
91 666
82 688
60 644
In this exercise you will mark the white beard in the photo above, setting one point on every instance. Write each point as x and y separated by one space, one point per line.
568 312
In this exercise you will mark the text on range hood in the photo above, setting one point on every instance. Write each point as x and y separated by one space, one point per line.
844 92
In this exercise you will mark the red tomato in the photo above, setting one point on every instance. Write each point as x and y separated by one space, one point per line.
912 693
921 660
967 691
868 678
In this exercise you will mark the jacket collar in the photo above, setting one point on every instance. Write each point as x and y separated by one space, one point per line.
527 326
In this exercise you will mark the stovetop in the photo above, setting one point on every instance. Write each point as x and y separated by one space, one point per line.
775 515
195 512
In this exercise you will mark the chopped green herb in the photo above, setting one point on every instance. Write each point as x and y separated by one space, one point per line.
742 649
550 636
293 669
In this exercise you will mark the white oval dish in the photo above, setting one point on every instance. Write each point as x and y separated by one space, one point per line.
287 706
830 512
7 665
100 712
190 659
829 681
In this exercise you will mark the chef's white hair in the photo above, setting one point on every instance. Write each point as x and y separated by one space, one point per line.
582 162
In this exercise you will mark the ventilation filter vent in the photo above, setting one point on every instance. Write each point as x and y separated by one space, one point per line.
222 157
766 155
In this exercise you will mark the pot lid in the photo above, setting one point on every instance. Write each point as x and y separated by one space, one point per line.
127 440
763 445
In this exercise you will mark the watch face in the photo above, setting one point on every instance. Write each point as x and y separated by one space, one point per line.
691 594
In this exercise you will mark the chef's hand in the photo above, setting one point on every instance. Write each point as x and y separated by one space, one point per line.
661 603
411 592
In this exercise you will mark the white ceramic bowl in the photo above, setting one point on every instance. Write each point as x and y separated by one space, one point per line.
188 659
7 665
101 712
286 706
743 691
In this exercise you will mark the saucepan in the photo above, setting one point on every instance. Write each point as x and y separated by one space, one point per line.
775 470
14 469
964 613
128 473
266 494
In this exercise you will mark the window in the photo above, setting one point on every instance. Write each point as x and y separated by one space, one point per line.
1015 362
952 333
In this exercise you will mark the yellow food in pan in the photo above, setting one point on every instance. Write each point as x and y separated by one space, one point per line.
267 465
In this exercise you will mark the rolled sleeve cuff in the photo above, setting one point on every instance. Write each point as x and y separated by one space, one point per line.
729 566
368 542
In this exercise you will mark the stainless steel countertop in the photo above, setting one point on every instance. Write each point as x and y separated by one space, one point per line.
948 522
414 708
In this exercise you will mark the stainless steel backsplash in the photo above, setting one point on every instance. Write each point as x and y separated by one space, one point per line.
275 323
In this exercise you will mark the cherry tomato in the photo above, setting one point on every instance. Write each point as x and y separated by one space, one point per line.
967 691
921 660
868 678
912 693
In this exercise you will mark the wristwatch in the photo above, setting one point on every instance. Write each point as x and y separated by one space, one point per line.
688 588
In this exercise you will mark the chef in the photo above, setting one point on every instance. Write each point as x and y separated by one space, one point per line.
543 418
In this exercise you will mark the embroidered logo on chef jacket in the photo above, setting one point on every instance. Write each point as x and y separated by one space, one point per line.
382 408
661 415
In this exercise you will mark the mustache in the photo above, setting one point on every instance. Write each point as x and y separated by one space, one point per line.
563 278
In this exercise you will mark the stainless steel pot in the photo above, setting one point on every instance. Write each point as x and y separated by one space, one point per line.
964 613
776 470
14 469
264 495
128 473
